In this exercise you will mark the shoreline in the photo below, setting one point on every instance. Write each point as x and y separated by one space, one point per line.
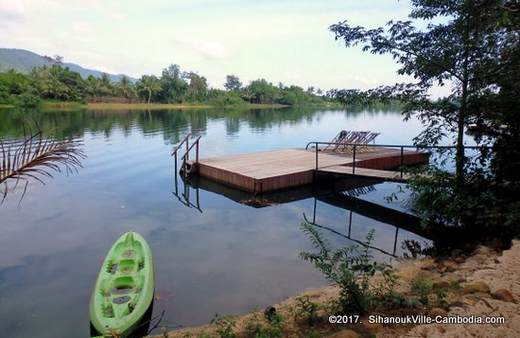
484 283
155 106
102 106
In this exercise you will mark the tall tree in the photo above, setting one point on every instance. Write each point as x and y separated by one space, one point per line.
232 83
125 87
173 85
461 39
198 87
148 85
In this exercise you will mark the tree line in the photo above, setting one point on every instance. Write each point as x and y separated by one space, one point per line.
59 83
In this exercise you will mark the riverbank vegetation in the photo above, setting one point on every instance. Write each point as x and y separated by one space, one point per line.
56 84
430 287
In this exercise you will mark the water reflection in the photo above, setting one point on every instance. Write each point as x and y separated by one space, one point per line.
343 194
227 259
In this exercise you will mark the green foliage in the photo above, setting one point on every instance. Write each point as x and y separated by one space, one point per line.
219 97
233 83
148 86
274 328
351 268
313 334
306 310
261 91
28 100
58 83
225 326
421 287
441 294
472 46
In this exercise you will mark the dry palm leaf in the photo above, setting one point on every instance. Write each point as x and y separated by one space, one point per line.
36 158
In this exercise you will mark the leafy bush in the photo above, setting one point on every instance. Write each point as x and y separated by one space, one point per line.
273 329
27 100
225 326
306 310
351 268
421 287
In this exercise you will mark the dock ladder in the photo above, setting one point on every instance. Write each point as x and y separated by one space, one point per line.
187 166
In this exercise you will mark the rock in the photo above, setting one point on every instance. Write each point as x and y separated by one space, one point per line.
437 311
469 301
483 250
476 287
345 334
428 267
503 295
269 312
456 303
456 253
373 327
450 266
459 260
441 329
441 285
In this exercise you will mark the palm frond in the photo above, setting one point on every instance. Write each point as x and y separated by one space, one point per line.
37 158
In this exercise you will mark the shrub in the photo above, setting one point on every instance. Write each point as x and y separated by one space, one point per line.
306 310
225 326
27 100
273 329
351 268
421 287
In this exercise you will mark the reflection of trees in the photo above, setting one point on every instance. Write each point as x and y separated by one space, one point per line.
172 123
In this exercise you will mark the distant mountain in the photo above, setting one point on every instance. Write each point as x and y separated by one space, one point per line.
24 61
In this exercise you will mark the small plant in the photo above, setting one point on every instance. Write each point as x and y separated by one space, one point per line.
441 294
455 285
225 326
273 329
312 334
421 287
306 310
351 268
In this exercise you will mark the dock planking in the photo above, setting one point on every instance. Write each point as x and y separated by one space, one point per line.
266 171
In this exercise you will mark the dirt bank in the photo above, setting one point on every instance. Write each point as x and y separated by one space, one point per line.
485 283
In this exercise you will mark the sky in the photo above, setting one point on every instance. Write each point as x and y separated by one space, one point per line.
280 40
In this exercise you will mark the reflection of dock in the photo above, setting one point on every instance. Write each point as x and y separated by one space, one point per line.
342 194
274 170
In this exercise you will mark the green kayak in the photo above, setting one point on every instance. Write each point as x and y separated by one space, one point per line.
124 288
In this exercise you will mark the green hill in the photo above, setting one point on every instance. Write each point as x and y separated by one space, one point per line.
23 61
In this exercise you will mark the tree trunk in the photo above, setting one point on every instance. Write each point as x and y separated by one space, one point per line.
459 156
149 95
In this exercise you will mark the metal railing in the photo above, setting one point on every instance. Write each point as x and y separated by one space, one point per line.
356 146
188 148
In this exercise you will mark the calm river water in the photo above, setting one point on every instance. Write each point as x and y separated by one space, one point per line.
227 259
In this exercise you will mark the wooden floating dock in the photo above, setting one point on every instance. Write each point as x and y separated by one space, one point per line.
387 175
267 171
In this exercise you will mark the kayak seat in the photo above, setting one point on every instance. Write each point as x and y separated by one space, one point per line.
127 266
125 282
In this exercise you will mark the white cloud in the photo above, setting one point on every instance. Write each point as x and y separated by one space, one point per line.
211 49
11 10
